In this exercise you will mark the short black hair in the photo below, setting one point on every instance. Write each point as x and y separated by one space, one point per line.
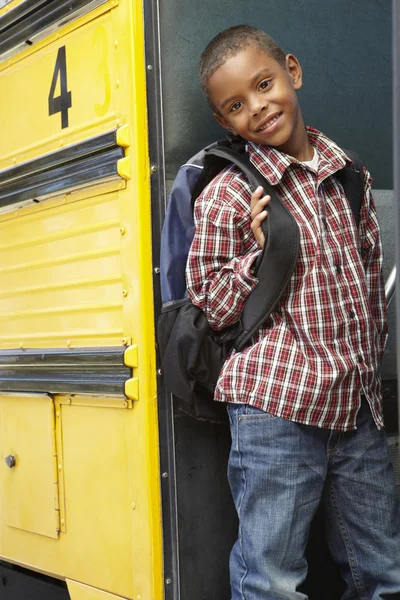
230 42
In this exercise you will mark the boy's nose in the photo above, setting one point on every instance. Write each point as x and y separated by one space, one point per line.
257 105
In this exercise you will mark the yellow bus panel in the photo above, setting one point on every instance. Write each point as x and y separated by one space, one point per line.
61 280
97 488
66 87
28 478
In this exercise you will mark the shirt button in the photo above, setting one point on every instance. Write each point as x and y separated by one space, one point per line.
352 314
338 269
360 358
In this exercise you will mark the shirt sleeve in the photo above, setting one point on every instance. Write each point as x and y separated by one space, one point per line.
219 272
372 256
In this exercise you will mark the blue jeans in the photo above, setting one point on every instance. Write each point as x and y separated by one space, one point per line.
279 472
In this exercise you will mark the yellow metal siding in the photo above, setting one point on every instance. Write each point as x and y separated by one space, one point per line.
76 271
96 547
91 60
30 498
60 277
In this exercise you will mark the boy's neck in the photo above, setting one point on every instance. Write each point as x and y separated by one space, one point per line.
304 152
300 147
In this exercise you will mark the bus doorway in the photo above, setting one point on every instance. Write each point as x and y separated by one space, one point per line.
339 45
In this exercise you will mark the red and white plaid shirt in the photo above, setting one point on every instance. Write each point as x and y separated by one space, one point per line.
321 348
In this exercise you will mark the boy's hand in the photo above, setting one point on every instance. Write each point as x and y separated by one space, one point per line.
258 213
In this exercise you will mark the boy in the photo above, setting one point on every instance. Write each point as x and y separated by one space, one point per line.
304 398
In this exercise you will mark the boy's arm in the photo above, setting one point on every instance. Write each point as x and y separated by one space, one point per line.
372 256
219 272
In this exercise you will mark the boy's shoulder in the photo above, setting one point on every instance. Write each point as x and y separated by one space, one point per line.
228 190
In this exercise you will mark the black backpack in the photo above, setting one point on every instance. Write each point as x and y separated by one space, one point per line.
192 354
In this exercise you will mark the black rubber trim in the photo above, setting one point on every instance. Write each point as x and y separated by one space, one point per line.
396 167
84 370
32 16
21 12
78 164
55 159
166 426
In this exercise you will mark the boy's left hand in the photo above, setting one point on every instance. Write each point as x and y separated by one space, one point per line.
258 213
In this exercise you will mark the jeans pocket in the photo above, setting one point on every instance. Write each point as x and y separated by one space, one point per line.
251 413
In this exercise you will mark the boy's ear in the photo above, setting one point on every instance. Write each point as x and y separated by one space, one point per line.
294 69
224 123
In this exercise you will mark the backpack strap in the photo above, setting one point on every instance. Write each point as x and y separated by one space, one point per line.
352 181
279 256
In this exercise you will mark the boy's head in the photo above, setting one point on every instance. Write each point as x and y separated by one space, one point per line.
230 42
251 86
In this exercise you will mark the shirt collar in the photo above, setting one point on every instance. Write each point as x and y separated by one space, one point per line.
272 163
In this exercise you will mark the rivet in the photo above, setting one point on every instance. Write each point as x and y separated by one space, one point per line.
21 345
124 293
159 371
122 230
154 168
157 270
133 505
69 343
168 581
62 522
149 67
14 161
164 475
117 83
58 413
116 44
125 404
60 467
61 142
125 341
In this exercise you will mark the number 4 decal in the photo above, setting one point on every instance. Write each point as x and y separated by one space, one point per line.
62 102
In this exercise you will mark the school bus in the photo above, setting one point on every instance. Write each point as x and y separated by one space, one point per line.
108 490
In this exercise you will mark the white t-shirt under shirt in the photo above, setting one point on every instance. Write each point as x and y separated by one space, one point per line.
313 163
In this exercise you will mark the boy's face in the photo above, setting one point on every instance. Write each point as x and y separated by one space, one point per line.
256 98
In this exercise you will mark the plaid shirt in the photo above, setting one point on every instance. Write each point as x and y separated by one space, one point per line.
321 349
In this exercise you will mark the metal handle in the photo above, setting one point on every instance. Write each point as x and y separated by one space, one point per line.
390 286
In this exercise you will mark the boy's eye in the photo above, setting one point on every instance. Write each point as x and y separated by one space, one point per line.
235 106
264 84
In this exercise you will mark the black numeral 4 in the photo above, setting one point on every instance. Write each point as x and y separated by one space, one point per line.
64 101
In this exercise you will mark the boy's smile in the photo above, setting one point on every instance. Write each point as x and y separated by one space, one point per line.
256 98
